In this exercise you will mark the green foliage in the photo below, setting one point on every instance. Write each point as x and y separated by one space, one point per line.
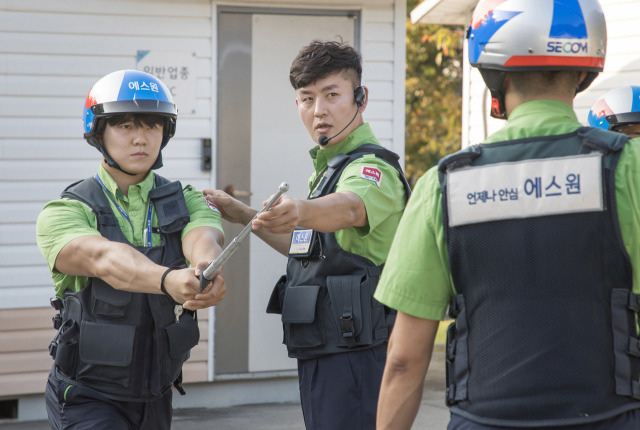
433 94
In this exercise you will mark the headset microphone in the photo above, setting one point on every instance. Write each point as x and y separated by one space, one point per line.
323 140
359 95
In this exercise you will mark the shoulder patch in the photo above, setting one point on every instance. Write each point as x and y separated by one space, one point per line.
212 206
372 174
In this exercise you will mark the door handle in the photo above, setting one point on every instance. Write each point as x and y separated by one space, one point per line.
232 191
205 164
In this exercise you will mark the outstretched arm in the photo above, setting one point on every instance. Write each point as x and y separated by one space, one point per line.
234 211
330 213
326 214
409 354
125 268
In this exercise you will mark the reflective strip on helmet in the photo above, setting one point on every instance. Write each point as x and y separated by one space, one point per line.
553 60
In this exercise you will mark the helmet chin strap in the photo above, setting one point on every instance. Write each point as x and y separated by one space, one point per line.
94 141
494 79
113 164
156 165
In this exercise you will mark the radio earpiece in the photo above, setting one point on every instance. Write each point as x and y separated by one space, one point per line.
360 98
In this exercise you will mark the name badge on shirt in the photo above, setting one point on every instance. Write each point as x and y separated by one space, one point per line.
525 189
301 242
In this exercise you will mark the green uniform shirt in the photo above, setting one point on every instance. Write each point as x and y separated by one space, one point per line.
384 200
416 279
63 220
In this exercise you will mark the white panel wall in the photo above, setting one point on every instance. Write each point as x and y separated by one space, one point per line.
622 65
50 55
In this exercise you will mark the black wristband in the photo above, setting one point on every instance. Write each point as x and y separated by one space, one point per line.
164 275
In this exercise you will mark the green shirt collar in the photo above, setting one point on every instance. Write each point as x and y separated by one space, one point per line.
537 118
322 156
145 186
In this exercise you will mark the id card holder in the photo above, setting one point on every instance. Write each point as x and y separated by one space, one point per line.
303 243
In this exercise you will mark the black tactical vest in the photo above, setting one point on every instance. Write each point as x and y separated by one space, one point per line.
126 345
326 297
545 331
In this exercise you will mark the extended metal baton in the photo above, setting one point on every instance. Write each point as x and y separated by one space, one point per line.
215 266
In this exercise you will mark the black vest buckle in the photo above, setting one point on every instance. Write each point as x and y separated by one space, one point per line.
633 347
57 321
634 302
53 347
177 384
346 326
57 304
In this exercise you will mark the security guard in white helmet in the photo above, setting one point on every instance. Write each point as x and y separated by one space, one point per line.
531 240
618 110
118 245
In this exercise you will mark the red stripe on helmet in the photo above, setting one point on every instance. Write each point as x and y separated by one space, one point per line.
483 10
551 60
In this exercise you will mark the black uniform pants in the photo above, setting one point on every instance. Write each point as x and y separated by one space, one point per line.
72 407
340 391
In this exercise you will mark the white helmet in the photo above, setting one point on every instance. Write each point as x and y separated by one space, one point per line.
617 108
521 35
128 91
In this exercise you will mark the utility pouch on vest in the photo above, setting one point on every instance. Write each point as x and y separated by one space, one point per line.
171 208
351 308
299 314
625 307
108 302
457 364
300 304
106 351
182 336
277 296
64 348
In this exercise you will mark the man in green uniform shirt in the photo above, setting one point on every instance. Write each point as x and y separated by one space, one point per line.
118 245
542 288
337 241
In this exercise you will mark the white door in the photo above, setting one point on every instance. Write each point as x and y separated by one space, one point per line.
262 143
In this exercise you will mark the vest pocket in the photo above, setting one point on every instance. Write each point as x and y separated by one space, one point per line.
277 296
457 365
108 302
67 348
181 337
302 317
171 209
351 305
106 351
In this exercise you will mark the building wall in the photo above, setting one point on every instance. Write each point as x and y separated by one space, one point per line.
50 55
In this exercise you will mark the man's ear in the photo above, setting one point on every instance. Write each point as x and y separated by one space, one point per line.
507 81
365 102
581 78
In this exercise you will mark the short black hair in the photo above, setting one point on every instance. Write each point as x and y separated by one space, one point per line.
320 59
148 119
532 82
